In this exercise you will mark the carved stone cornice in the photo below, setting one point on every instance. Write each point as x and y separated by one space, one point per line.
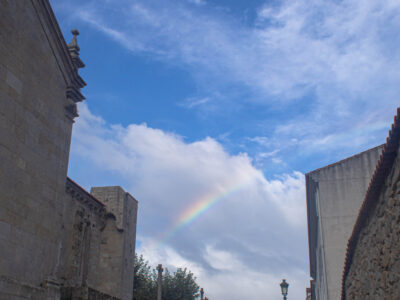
67 57
84 292
74 50
74 94
81 195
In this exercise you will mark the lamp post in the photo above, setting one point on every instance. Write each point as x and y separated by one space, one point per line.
159 282
284 288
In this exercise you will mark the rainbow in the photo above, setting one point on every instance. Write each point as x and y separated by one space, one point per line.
199 207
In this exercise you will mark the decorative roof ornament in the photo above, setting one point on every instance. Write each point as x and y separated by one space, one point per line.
73 90
74 50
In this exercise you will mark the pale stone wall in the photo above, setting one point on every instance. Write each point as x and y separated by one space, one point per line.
117 251
375 269
93 254
130 223
83 222
334 196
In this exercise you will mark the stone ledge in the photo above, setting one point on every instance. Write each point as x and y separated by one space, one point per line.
84 293
81 195
15 289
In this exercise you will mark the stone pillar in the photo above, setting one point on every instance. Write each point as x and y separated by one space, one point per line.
201 294
159 282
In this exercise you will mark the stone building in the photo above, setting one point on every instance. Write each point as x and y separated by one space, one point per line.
57 241
308 294
334 197
372 265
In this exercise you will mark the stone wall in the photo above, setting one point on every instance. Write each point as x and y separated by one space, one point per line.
35 136
84 293
84 219
94 262
375 268
53 234
117 273
334 196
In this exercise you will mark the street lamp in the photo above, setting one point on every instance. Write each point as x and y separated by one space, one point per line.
284 288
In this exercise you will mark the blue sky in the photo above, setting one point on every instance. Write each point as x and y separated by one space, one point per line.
187 95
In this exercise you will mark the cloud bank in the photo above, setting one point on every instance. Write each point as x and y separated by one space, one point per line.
240 246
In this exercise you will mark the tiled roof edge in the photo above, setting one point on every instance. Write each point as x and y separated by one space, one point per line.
83 191
382 170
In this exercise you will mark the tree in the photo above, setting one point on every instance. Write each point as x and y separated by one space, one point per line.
181 285
144 286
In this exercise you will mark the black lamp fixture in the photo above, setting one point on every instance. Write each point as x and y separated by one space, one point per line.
284 288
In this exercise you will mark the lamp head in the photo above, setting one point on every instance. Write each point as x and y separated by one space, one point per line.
284 287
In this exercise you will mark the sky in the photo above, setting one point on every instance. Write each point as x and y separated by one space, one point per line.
210 112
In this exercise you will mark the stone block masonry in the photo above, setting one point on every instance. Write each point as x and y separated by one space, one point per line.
116 246
372 267
375 269
57 241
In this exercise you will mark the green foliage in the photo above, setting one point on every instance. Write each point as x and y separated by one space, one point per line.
144 288
181 285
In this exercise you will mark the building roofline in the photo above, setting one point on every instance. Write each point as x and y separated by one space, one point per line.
43 8
383 169
312 214
67 64
116 186
342 161
84 192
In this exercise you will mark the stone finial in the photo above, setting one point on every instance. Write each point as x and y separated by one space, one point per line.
73 90
74 44
74 50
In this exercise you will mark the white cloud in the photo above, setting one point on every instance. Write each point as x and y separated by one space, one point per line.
233 280
222 260
334 62
198 2
268 154
246 233
294 47
261 140
194 101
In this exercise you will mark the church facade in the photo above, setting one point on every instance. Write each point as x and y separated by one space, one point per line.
57 241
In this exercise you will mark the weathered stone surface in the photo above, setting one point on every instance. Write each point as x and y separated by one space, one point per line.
117 274
94 250
375 269
83 293
51 230
34 142
334 197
